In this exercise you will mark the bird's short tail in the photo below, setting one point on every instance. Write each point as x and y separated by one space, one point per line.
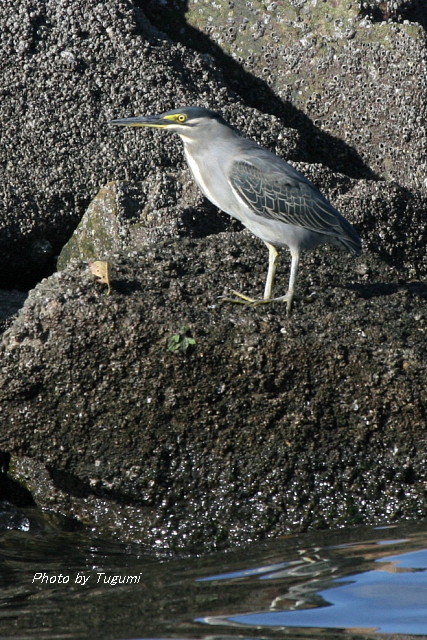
349 239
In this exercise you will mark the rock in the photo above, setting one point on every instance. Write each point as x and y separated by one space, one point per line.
126 216
263 425
158 414
67 71
348 75
350 87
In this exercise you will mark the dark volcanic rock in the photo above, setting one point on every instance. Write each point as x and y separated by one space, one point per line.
352 90
264 424
126 216
158 413
68 69
343 73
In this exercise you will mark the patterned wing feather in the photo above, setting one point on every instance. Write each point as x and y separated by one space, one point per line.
284 196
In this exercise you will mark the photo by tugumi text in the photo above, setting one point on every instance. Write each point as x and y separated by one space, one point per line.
99 577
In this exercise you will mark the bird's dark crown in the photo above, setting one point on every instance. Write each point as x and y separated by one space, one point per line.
194 113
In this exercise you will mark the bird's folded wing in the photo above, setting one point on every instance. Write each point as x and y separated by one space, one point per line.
290 199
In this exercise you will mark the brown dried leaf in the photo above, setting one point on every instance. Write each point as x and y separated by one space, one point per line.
101 269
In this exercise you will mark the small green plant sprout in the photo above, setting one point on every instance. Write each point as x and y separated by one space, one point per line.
181 341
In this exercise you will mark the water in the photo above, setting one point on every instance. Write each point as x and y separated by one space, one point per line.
59 582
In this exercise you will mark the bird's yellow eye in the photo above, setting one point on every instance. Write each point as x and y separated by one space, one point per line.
181 118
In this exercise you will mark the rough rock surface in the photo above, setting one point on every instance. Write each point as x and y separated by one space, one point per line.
126 216
157 413
353 69
263 424
351 88
67 69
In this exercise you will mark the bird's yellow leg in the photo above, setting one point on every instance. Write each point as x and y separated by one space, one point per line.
273 257
272 265
289 297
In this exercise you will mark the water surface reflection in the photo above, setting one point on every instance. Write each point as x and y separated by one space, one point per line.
360 583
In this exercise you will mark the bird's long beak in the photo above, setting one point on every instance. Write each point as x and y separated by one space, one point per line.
143 121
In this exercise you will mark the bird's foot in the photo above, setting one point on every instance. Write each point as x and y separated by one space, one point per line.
241 299
256 302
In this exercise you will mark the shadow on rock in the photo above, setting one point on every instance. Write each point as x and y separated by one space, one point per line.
412 10
315 146
381 289
11 490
